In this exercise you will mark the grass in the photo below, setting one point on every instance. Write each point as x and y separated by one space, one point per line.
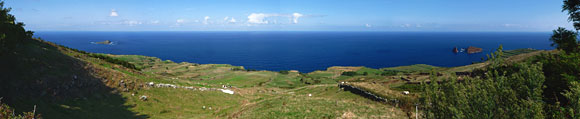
183 103
327 101
413 68
258 94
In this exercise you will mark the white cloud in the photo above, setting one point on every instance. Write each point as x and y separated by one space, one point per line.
132 22
205 20
295 17
262 18
368 25
226 18
257 18
113 13
232 20
180 21
411 25
510 25
154 22
121 22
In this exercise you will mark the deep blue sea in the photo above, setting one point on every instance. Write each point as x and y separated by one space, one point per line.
303 51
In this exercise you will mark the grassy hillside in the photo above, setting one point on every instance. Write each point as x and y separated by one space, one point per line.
65 83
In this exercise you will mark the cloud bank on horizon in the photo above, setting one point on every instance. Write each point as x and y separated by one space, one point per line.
320 15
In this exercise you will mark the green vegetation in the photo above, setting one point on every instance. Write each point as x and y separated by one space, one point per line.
6 112
412 68
284 71
68 83
388 72
565 40
507 91
544 86
349 73
114 61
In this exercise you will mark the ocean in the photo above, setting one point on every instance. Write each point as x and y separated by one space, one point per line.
303 51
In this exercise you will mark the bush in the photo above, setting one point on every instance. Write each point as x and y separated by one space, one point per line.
389 72
284 71
6 112
114 61
514 93
349 73
237 69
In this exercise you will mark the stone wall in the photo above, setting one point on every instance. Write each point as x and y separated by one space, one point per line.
361 92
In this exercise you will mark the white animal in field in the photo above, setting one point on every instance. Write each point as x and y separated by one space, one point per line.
406 92
143 97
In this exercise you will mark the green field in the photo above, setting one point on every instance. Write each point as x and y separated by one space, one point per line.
258 94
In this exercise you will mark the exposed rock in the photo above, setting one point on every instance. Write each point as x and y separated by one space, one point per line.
472 50
107 42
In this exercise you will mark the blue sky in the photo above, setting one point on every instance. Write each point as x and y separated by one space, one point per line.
289 15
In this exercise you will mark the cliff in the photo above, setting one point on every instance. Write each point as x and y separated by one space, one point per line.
472 50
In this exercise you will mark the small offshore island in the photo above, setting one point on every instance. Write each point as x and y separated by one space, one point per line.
470 50
106 42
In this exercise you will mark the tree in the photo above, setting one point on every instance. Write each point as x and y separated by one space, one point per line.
13 32
565 40
573 8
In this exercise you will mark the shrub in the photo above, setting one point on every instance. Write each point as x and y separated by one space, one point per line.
6 112
114 61
504 91
349 73
237 69
389 72
284 71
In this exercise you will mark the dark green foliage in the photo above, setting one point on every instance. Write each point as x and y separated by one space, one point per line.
365 73
105 57
389 72
237 69
114 61
507 91
284 71
573 7
565 40
409 87
6 112
573 96
560 70
349 73
12 33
